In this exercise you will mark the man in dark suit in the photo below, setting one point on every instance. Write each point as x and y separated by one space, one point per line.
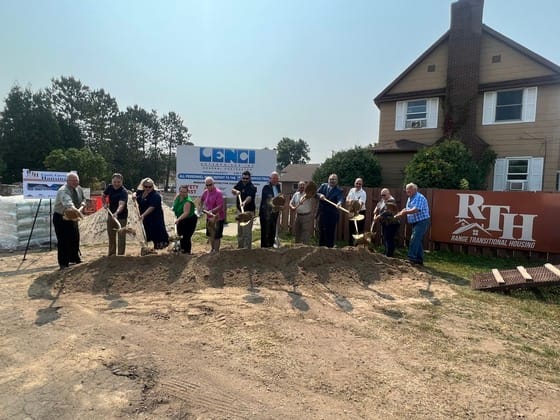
268 214
327 213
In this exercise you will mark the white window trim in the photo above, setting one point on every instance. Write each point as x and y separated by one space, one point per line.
432 108
528 110
535 173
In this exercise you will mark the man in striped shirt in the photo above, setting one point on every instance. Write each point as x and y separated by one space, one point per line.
418 216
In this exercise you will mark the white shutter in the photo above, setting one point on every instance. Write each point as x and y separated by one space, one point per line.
400 115
529 104
500 175
489 108
432 112
536 166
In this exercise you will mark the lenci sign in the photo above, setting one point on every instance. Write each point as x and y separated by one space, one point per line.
225 165
515 220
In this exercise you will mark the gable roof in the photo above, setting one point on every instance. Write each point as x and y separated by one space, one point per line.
298 172
384 96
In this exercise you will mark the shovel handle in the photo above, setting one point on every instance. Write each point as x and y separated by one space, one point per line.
336 205
240 203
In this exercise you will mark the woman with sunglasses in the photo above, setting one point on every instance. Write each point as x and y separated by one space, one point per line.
151 213
385 213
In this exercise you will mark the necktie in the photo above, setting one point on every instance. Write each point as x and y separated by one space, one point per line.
75 198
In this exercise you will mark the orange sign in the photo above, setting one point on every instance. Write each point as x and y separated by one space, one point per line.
526 221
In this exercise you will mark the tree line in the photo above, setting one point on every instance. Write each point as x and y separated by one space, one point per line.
70 126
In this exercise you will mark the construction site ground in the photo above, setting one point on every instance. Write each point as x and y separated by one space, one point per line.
291 333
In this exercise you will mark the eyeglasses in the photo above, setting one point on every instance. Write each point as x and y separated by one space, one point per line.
383 195
148 186
209 185
245 179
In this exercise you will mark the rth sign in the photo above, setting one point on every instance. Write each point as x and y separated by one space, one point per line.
514 220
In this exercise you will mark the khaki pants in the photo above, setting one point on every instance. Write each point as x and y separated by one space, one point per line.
303 228
113 236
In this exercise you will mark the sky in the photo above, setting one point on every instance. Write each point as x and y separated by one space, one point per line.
246 73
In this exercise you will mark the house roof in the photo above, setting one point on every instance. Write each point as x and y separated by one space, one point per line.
402 146
384 96
298 172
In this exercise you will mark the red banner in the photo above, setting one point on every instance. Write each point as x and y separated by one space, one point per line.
527 221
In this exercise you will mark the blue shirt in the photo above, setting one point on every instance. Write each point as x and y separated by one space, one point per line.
419 202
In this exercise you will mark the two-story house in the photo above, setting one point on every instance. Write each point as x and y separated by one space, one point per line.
487 90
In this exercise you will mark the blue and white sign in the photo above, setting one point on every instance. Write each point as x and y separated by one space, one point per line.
225 165
42 184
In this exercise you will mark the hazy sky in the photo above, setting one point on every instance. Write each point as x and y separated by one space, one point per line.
247 72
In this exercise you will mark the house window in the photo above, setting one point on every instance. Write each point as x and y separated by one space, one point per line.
510 106
417 113
518 174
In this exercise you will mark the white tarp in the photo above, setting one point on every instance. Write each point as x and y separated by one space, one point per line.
16 219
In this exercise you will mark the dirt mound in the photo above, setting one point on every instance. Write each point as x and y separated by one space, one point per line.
269 268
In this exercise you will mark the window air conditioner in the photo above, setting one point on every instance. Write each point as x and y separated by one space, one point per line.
416 124
517 185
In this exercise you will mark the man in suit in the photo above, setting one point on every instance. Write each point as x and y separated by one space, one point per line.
268 215
327 213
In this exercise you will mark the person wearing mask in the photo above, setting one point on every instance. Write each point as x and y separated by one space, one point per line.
328 214
212 203
268 213
304 209
418 215
117 198
245 191
357 193
384 213
151 213
184 209
69 198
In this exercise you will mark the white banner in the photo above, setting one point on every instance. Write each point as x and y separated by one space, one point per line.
42 184
224 165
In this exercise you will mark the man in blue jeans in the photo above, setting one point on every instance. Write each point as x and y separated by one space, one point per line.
418 215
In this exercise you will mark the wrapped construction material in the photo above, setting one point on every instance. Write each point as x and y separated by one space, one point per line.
16 222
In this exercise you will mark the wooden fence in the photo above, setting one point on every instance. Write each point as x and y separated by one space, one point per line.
403 235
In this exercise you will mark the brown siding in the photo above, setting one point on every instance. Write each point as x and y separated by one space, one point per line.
538 139
420 79
513 64
388 135
392 168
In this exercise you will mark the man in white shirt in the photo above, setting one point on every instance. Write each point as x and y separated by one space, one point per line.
356 194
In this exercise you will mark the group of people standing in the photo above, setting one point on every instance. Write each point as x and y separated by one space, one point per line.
319 208
326 214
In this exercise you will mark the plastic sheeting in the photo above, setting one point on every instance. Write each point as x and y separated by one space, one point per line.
16 220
